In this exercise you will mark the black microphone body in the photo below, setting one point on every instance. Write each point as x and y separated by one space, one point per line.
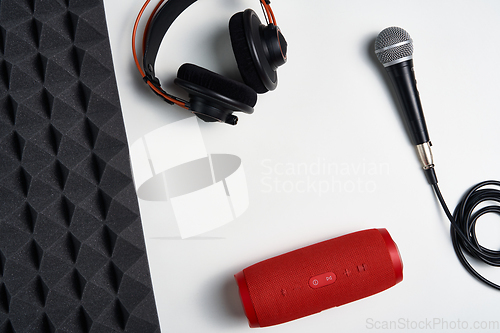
394 49
403 80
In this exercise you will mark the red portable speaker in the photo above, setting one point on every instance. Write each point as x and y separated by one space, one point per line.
320 276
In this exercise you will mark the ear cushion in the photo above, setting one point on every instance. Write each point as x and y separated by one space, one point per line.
243 55
217 83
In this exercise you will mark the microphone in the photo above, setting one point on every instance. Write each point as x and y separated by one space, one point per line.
394 49
319 276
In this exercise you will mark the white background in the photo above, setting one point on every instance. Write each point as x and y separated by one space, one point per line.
332 106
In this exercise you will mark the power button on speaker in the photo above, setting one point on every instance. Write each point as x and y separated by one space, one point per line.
322 280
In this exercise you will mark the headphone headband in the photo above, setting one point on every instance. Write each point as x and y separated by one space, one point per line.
162 21
159 26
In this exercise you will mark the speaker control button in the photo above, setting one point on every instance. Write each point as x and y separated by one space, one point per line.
322 280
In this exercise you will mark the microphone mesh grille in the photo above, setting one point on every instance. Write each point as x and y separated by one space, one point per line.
391 36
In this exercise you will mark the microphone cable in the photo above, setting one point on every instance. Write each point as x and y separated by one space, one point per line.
394 49
463 225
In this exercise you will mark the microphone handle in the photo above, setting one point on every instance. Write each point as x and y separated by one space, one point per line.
403 79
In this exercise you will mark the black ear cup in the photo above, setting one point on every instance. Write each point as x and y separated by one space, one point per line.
243 54
214 97
259 50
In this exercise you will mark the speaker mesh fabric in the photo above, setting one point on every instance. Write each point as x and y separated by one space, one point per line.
279 288
72 252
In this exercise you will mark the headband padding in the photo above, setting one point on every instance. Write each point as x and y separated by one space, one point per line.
217 83
242 54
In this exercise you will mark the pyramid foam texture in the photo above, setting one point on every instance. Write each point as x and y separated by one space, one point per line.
72 251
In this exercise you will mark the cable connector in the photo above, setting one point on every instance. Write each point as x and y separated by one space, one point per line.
426 159
156 83
430 175
425 155
153 80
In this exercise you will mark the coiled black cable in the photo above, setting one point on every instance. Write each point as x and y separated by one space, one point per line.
463 225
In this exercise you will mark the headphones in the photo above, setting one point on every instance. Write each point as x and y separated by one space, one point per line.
259 50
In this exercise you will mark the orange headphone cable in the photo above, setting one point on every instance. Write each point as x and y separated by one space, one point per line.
269 12
136 60
146 28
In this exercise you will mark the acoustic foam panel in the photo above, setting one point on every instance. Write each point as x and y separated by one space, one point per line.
72 251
